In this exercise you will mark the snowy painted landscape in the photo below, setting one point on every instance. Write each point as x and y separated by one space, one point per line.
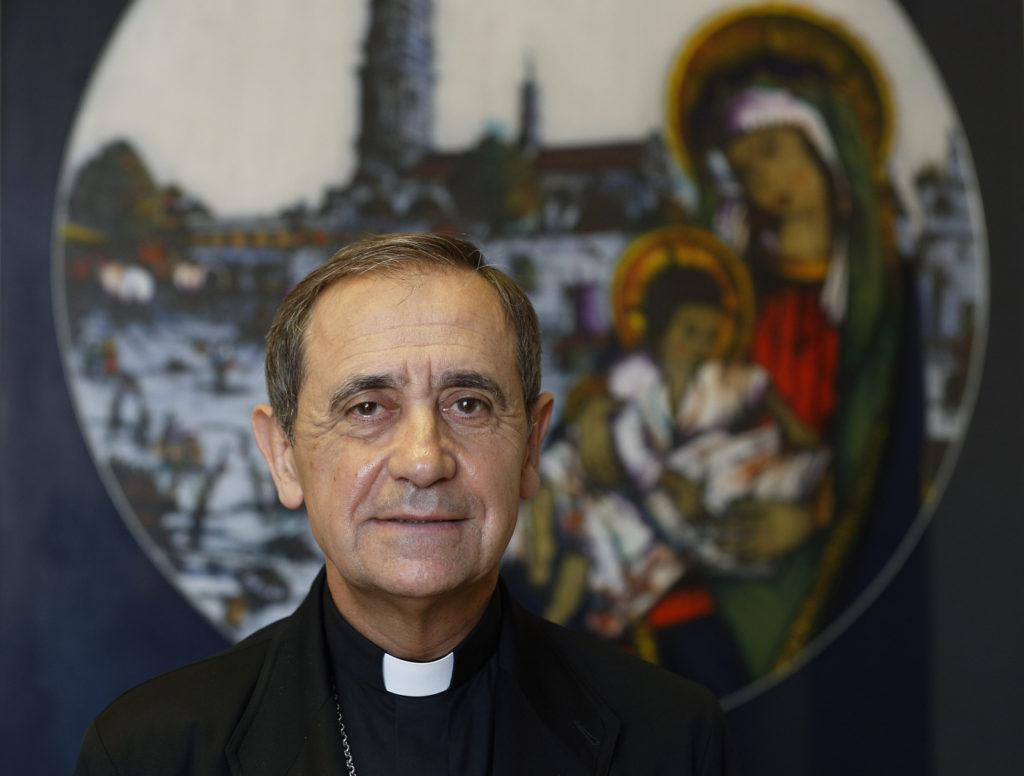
172 423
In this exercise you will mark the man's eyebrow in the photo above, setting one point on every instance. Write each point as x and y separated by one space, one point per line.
353 386
476 381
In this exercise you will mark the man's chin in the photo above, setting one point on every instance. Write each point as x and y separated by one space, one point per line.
422 580
429 584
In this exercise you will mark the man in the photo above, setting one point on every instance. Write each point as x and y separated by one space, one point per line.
406 415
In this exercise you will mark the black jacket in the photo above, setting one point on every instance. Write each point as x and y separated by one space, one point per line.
566 704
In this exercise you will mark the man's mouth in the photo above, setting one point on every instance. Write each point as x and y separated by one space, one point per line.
423 520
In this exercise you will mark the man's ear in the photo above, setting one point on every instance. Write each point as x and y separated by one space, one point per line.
278 451
529 479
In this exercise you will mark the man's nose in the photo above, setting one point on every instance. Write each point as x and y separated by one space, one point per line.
422 452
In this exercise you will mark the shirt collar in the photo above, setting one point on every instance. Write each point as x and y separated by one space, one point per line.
357 658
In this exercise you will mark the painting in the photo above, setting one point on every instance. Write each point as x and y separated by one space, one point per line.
755 246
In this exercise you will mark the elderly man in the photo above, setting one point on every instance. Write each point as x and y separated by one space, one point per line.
406 415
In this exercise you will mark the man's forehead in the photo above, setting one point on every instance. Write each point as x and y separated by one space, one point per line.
434 295
448 318
383 289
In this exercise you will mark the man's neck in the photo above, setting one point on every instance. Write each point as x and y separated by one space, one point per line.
411 628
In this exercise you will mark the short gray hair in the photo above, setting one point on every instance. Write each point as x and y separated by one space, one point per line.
393 254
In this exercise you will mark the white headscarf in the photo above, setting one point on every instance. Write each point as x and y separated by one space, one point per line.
761 107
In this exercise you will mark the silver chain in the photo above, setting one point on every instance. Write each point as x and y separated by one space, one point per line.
344 736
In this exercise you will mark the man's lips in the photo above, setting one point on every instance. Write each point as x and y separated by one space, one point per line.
419 519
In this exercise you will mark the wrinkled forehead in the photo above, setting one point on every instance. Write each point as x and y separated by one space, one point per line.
410 290
449 313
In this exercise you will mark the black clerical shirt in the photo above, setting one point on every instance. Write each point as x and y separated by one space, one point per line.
445 734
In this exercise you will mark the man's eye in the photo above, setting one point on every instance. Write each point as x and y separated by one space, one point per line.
366 409
469 405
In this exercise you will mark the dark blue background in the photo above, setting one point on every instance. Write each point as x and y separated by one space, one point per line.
927 681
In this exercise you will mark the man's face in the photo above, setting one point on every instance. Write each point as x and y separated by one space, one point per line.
411 446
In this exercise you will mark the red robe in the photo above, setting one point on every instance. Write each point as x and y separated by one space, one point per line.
799 347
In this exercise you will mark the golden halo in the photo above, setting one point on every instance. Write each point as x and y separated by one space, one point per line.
737 40
687 246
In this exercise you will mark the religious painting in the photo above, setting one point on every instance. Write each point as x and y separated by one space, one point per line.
755 247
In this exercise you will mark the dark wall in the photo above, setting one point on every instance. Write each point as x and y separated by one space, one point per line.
83 612
927 681
974 546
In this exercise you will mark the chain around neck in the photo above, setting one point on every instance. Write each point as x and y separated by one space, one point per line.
349 765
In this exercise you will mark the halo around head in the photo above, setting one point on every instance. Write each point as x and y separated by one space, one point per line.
794 44
686 246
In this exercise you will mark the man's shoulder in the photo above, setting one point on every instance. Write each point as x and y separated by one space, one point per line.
664 719
625 680
198 718
197 705
234 668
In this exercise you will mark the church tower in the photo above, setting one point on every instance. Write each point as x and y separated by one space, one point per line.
397 87
529 113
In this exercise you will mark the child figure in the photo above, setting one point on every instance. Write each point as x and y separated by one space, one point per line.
687 460
721 463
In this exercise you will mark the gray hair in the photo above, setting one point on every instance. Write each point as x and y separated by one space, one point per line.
393 254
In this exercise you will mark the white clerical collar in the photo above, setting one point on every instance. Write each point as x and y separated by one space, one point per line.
416 680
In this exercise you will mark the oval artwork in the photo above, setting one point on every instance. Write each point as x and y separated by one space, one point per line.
752 235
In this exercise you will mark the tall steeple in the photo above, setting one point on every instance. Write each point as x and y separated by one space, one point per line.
529 118
397 87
